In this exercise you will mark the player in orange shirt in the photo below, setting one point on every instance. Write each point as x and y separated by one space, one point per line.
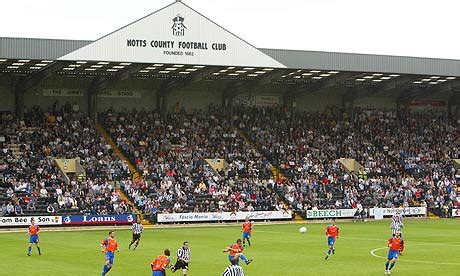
332 233
33 232
395 244
109 246
160 264
247 230
235 251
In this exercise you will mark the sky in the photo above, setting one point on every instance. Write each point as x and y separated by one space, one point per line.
422 28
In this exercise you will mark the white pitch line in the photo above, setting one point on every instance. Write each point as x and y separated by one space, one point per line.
412 261
368 239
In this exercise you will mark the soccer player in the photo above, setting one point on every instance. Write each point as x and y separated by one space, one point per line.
235 251
247 229
332 233
137 229
395 244
183 258
34 230
109 246
160 264
233 269
397 225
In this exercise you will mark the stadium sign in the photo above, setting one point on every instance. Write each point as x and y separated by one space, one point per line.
22 221
408 211
119 94
62 93
223 216
330 213
456 212
99 219
176 34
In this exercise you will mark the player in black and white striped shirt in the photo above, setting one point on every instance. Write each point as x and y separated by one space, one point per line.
137 229
183 258
397 226
233 269
397 223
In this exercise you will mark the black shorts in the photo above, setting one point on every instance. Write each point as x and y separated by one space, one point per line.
136 237
180 265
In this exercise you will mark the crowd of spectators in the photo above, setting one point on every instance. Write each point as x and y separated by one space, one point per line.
170 151
406 157
406 160
34 183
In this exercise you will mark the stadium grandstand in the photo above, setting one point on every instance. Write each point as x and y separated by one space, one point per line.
173 114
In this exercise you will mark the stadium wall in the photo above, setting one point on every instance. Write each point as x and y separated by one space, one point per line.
381 102
7 96
58 90
198 96
319 100
142 94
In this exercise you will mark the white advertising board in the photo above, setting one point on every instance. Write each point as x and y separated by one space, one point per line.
408 211
331 213
23 221
223 216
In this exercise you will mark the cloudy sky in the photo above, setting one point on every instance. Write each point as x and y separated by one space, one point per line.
426 28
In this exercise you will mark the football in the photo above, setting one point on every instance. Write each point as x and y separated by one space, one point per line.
303 230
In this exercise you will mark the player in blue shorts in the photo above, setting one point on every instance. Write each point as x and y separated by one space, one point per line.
109 246
332 233
247 230
395 244
34 230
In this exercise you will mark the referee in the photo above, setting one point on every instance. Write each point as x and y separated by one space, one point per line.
233 269
137 229
397 223
183 258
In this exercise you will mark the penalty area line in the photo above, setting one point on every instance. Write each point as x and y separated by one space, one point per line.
372 252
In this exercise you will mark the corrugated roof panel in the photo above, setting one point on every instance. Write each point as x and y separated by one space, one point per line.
364 63
32 48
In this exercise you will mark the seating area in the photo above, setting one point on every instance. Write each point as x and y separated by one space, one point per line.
34 185
407 158
170 153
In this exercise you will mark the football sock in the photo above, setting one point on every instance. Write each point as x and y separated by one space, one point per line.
386 265
29 250
391 266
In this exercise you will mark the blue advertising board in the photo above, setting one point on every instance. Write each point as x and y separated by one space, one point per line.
99 219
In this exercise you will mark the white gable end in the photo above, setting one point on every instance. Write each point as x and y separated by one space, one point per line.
176 34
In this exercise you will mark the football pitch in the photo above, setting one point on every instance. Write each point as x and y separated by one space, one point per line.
432 248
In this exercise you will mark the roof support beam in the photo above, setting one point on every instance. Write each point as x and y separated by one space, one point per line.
26 83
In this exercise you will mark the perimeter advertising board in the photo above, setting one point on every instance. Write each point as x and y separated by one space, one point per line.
223 216
23 221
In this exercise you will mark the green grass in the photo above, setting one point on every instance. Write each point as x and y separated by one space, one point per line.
433 248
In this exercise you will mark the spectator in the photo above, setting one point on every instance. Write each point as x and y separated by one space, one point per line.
50 209
18 209
10 210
